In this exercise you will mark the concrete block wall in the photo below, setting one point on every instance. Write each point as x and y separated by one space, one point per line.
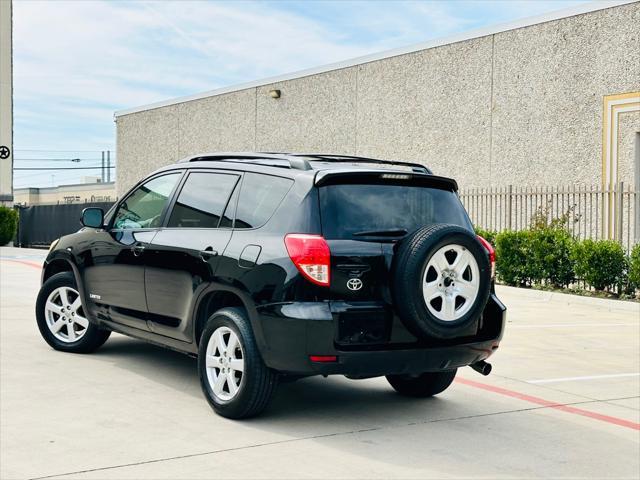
520 107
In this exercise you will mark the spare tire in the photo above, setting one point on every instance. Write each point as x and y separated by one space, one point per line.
441 280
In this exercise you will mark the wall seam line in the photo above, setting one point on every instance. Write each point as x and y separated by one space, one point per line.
255 123
491 99
355 134
179 121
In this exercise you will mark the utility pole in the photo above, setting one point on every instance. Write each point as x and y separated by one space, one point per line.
6 104
102 170
108 166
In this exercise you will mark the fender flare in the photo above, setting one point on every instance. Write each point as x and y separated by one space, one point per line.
67 257
247 303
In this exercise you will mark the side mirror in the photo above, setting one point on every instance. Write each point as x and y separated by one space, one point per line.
92 217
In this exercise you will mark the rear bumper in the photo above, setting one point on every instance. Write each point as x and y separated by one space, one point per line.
409 361
295 331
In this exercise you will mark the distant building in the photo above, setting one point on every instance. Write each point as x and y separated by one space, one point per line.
63 194
92 179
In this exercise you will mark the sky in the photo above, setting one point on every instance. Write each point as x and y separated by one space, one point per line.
76 62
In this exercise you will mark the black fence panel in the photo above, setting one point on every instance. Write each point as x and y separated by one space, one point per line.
39 225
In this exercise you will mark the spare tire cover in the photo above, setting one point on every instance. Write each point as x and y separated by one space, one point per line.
441 280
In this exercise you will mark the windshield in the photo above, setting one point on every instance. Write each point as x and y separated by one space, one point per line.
357 211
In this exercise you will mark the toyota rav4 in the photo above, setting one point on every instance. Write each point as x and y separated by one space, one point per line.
271 267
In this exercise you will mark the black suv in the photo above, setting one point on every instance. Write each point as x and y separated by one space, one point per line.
271 266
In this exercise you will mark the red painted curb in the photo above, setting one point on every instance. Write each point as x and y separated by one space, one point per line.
546 403
23 262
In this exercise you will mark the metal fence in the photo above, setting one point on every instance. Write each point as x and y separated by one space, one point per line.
594 212
39 225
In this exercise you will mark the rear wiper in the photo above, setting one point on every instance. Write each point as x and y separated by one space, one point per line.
391 232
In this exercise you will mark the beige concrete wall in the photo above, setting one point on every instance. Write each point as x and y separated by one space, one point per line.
218 123
520 107
314 114
154 138
549 83
431 107
146 141
6 101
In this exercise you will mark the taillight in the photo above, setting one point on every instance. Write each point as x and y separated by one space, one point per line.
492 254
311 256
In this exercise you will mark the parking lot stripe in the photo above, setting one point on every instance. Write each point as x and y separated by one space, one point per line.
546 403
24 262
590 377
565 325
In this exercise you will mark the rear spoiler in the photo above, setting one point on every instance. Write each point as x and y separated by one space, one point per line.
381 177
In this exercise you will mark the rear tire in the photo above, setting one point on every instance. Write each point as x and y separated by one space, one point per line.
61 318
424 385
234 379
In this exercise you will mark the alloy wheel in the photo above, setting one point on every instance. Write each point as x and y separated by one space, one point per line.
451 282
64 315
224 363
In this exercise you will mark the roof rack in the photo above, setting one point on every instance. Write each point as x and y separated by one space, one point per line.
329 157
254 158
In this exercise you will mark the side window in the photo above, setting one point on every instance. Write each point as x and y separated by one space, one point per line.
259 198
202 200
144 207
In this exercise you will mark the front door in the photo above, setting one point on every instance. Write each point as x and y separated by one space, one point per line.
113 273
183 257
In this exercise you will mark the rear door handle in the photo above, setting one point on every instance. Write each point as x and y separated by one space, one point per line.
137 249
208 253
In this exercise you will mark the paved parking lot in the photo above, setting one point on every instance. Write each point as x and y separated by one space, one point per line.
563 401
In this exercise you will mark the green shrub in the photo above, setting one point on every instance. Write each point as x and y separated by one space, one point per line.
8 224
550 259
600 263
488 235
634 267
512 255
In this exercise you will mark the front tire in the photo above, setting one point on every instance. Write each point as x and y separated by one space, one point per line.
424 385
234 379
61 318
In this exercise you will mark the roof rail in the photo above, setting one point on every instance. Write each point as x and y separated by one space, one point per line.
254 158
329 157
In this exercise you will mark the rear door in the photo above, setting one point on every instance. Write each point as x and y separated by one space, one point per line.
183 256
364 217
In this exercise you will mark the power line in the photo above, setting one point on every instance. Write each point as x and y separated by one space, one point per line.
27 179
63 168
22 175
57 159
61 151
92 163
60 179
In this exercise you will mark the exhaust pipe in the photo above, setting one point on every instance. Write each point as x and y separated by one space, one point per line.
482 367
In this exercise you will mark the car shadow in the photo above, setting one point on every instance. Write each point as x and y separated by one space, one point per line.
158 364
335 413
296 408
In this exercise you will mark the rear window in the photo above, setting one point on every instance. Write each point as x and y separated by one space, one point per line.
260 195
351 209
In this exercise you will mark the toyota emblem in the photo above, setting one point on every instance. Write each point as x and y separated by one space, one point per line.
354 284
